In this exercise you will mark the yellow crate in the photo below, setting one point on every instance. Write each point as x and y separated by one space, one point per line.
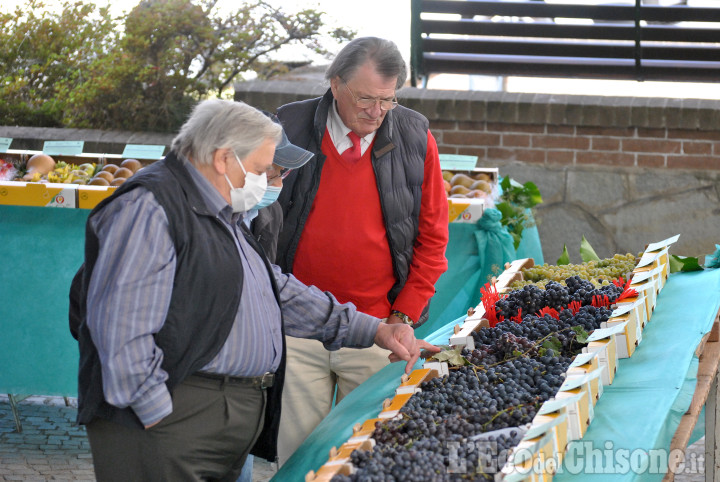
90 196
18 193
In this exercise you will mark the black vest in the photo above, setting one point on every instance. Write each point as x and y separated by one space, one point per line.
398 160
204 300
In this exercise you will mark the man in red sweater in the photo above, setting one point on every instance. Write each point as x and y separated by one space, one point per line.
366 219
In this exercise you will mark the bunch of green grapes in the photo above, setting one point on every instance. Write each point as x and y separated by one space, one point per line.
600 273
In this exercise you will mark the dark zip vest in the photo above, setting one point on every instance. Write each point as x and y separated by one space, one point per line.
204 300
398 160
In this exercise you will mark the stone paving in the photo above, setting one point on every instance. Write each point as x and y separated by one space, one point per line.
52 447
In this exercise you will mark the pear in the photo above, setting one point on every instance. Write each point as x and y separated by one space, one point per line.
481 185
482 176
459 189
462 179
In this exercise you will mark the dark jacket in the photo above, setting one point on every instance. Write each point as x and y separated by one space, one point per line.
208 267
266 228
398 159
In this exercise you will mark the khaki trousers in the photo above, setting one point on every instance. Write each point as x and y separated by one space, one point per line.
207 436
311 377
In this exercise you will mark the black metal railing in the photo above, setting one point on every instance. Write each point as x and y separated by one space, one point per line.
533 38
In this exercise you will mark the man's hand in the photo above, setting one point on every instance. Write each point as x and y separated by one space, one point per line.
400 340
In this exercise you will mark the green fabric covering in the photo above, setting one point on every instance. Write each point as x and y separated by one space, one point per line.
641 409
713 260
43 248
475 252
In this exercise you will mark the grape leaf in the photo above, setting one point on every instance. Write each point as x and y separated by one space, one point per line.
553 344
678 263
587 253
582 335
565 257
452 356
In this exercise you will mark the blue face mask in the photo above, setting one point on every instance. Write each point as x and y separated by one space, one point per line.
270 196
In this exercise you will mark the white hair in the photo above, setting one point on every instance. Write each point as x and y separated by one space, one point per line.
223 124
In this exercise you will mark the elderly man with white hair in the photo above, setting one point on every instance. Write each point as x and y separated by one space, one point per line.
181 319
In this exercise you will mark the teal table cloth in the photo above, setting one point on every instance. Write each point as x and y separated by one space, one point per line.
42 249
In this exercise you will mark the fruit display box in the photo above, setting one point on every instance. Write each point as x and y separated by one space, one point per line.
72 181
477 183
564 416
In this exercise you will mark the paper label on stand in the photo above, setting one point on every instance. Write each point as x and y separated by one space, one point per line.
5 143
60 148
643 275
582 358
602 333
623 308
575 381
662 244
457 162
143 151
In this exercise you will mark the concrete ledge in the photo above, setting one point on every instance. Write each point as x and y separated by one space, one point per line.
96 141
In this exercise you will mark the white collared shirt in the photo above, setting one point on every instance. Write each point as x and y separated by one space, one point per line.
339 133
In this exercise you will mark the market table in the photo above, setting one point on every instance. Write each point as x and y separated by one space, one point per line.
639 413
43 248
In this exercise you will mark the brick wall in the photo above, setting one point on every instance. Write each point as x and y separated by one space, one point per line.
547 129
620 171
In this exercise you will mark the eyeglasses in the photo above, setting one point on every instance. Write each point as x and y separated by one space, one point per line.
368 102
284 172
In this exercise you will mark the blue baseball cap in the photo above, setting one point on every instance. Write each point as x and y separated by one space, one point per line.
287 154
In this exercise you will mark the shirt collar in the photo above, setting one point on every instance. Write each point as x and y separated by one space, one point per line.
339 131
215 202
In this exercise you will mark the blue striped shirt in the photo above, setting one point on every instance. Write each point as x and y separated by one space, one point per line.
129 296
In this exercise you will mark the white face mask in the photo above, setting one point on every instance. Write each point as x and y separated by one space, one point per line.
245 198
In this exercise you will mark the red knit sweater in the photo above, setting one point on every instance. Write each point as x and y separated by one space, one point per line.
344 248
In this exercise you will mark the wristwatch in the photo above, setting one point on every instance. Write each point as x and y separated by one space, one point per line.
405 318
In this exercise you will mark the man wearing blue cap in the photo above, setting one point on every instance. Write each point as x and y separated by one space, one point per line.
266 218
181 319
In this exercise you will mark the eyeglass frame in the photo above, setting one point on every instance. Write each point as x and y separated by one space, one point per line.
357 100
284 173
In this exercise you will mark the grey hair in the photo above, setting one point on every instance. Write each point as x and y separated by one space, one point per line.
383 53
223 124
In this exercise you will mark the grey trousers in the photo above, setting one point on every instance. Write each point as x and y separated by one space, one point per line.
207 436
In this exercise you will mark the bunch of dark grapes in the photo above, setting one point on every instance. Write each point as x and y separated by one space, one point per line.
529 299
501 396
584 291
557 296
536 328
431 458
588 317
506 346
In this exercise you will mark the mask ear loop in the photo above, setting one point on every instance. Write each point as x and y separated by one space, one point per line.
241 167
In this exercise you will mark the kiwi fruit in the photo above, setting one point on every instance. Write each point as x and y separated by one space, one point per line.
111 168
98 181
105 175
123 172
132 164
